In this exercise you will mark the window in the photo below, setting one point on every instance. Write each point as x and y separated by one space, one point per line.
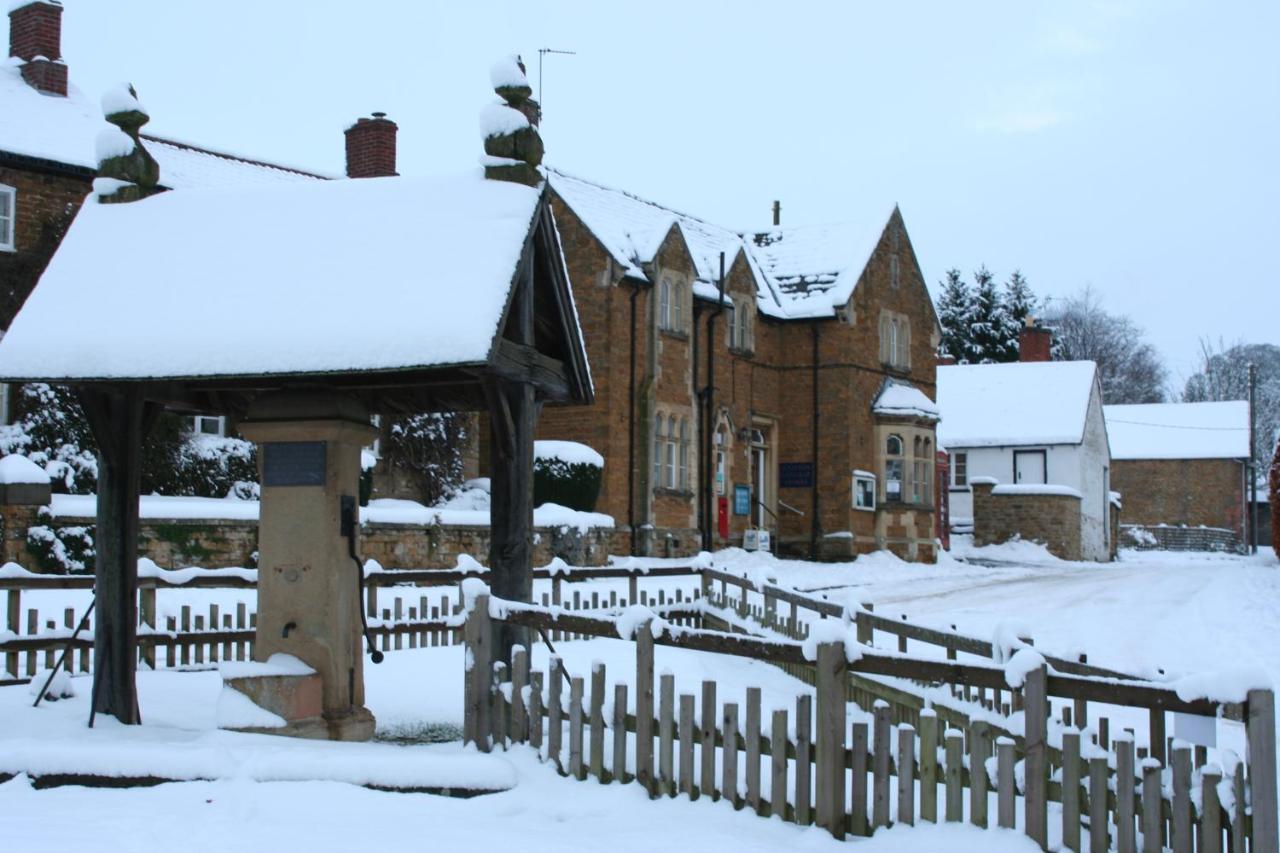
739 327
917 473
670 481
658 423
895 340
671 299
684 454
893 468
864 490
677 307
960 469
207 425
8 217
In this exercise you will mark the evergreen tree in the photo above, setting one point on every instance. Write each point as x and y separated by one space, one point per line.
994 337
1019 300
955 310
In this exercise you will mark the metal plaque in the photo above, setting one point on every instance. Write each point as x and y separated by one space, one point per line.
741 499
293 463
795 475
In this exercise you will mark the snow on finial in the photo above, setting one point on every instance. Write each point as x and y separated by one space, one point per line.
512 146
126 170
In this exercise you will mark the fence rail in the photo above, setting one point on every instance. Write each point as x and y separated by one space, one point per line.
804 770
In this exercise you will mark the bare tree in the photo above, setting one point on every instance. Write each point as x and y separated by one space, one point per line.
1224 375
1129 367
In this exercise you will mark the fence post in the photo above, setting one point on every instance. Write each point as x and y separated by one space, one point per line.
858 788
1124 792
929 765
619 765
804 758
666 739
14 616
1180 761
778 764
597 720
1210 810
979 749
729 775
147 612
751 747
1152 821
1036 788
1071 790
880 765
644 707
576 768
864 629
1156 728
535 712
519 678
1099 842
1260 728
954 771
478 638
555 712
707 737
906 774
830 763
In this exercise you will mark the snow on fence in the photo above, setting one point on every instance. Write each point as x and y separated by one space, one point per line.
801 769
196 637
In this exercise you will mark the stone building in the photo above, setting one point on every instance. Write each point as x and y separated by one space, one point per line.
1182 468
798 403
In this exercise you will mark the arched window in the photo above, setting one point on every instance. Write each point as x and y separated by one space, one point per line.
893 468
664 304
671 453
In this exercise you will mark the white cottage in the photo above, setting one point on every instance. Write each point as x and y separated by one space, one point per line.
1027 424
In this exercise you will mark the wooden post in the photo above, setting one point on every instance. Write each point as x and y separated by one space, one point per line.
1236 840
858 748
979 749
1260 729
535 712
147 604
707 737
644 707
1071 790
751 736
1036 787
666 731
804 759
954 775
555 720
512 416
1152 821
1157 732
865 633
686 744
830 688
597 720
1081 706
1210 810
119 418
519 676
478 637
1099 842
906 774
880 765
778 764
1006 791
1124 793
576 768
619 765
1180 833
929 765
13 615
729 774
500 712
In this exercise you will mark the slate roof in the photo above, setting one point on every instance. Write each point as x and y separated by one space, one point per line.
1179 430
1017 404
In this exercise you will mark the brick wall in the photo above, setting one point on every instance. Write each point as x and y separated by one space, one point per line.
47 201
1050 519
1191 492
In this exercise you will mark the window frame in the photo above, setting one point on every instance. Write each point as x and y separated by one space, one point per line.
960 469
894 461
9 219
669 479
195 424
860 478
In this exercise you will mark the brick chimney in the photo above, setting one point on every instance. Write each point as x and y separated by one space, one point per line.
371 147
35 36
1035 342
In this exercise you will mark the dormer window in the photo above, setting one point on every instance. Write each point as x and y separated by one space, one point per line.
8 218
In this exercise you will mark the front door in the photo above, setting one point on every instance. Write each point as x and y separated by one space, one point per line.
759 484
1029 467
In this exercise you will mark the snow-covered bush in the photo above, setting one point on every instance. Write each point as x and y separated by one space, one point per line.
61 550
427 448
51 431
566 473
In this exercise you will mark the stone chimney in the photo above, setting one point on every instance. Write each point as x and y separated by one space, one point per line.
512 147
35 37
371 148
1035 342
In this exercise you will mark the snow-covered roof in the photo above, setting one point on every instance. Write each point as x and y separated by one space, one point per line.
812 269
1022 403
904 400
64 129
1179 430
801 272
375 274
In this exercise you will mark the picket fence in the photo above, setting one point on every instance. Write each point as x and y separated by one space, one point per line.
800 769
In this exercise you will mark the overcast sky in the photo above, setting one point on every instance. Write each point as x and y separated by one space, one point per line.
1130 146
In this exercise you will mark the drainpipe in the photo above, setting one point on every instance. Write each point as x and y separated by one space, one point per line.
699 425
631 424
708 405
813 522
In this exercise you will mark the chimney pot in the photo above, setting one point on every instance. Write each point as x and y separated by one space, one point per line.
371 147
777 212
35 36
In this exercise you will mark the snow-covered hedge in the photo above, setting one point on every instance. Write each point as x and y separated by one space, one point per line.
566 473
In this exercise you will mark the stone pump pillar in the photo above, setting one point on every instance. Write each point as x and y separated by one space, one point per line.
309 599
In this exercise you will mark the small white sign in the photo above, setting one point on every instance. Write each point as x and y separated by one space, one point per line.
1196 729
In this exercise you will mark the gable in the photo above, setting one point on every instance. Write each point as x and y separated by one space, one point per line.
1017 404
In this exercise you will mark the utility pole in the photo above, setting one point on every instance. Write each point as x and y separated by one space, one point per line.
1253 459
543 51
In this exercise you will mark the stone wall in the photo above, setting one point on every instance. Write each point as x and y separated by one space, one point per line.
1164 537
1190 492
213 544
1052 519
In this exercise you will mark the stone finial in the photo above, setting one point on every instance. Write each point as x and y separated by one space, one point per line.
126 170
512 146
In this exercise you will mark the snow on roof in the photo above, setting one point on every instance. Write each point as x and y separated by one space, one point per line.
902 399
64 130
375 274
1179 430
995 405
814 268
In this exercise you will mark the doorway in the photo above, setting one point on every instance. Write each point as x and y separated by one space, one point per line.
1029 467
760 478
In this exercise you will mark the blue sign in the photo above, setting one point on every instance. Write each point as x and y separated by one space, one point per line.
741 499
795 475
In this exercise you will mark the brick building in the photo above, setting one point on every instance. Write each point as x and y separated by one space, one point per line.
1182 469
800 403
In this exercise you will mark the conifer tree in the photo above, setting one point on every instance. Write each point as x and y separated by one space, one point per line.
955 310
1019 300
993 337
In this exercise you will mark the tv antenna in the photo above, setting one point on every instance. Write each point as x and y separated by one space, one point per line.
543 51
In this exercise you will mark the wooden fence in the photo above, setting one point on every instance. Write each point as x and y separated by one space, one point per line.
804 770
198 637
